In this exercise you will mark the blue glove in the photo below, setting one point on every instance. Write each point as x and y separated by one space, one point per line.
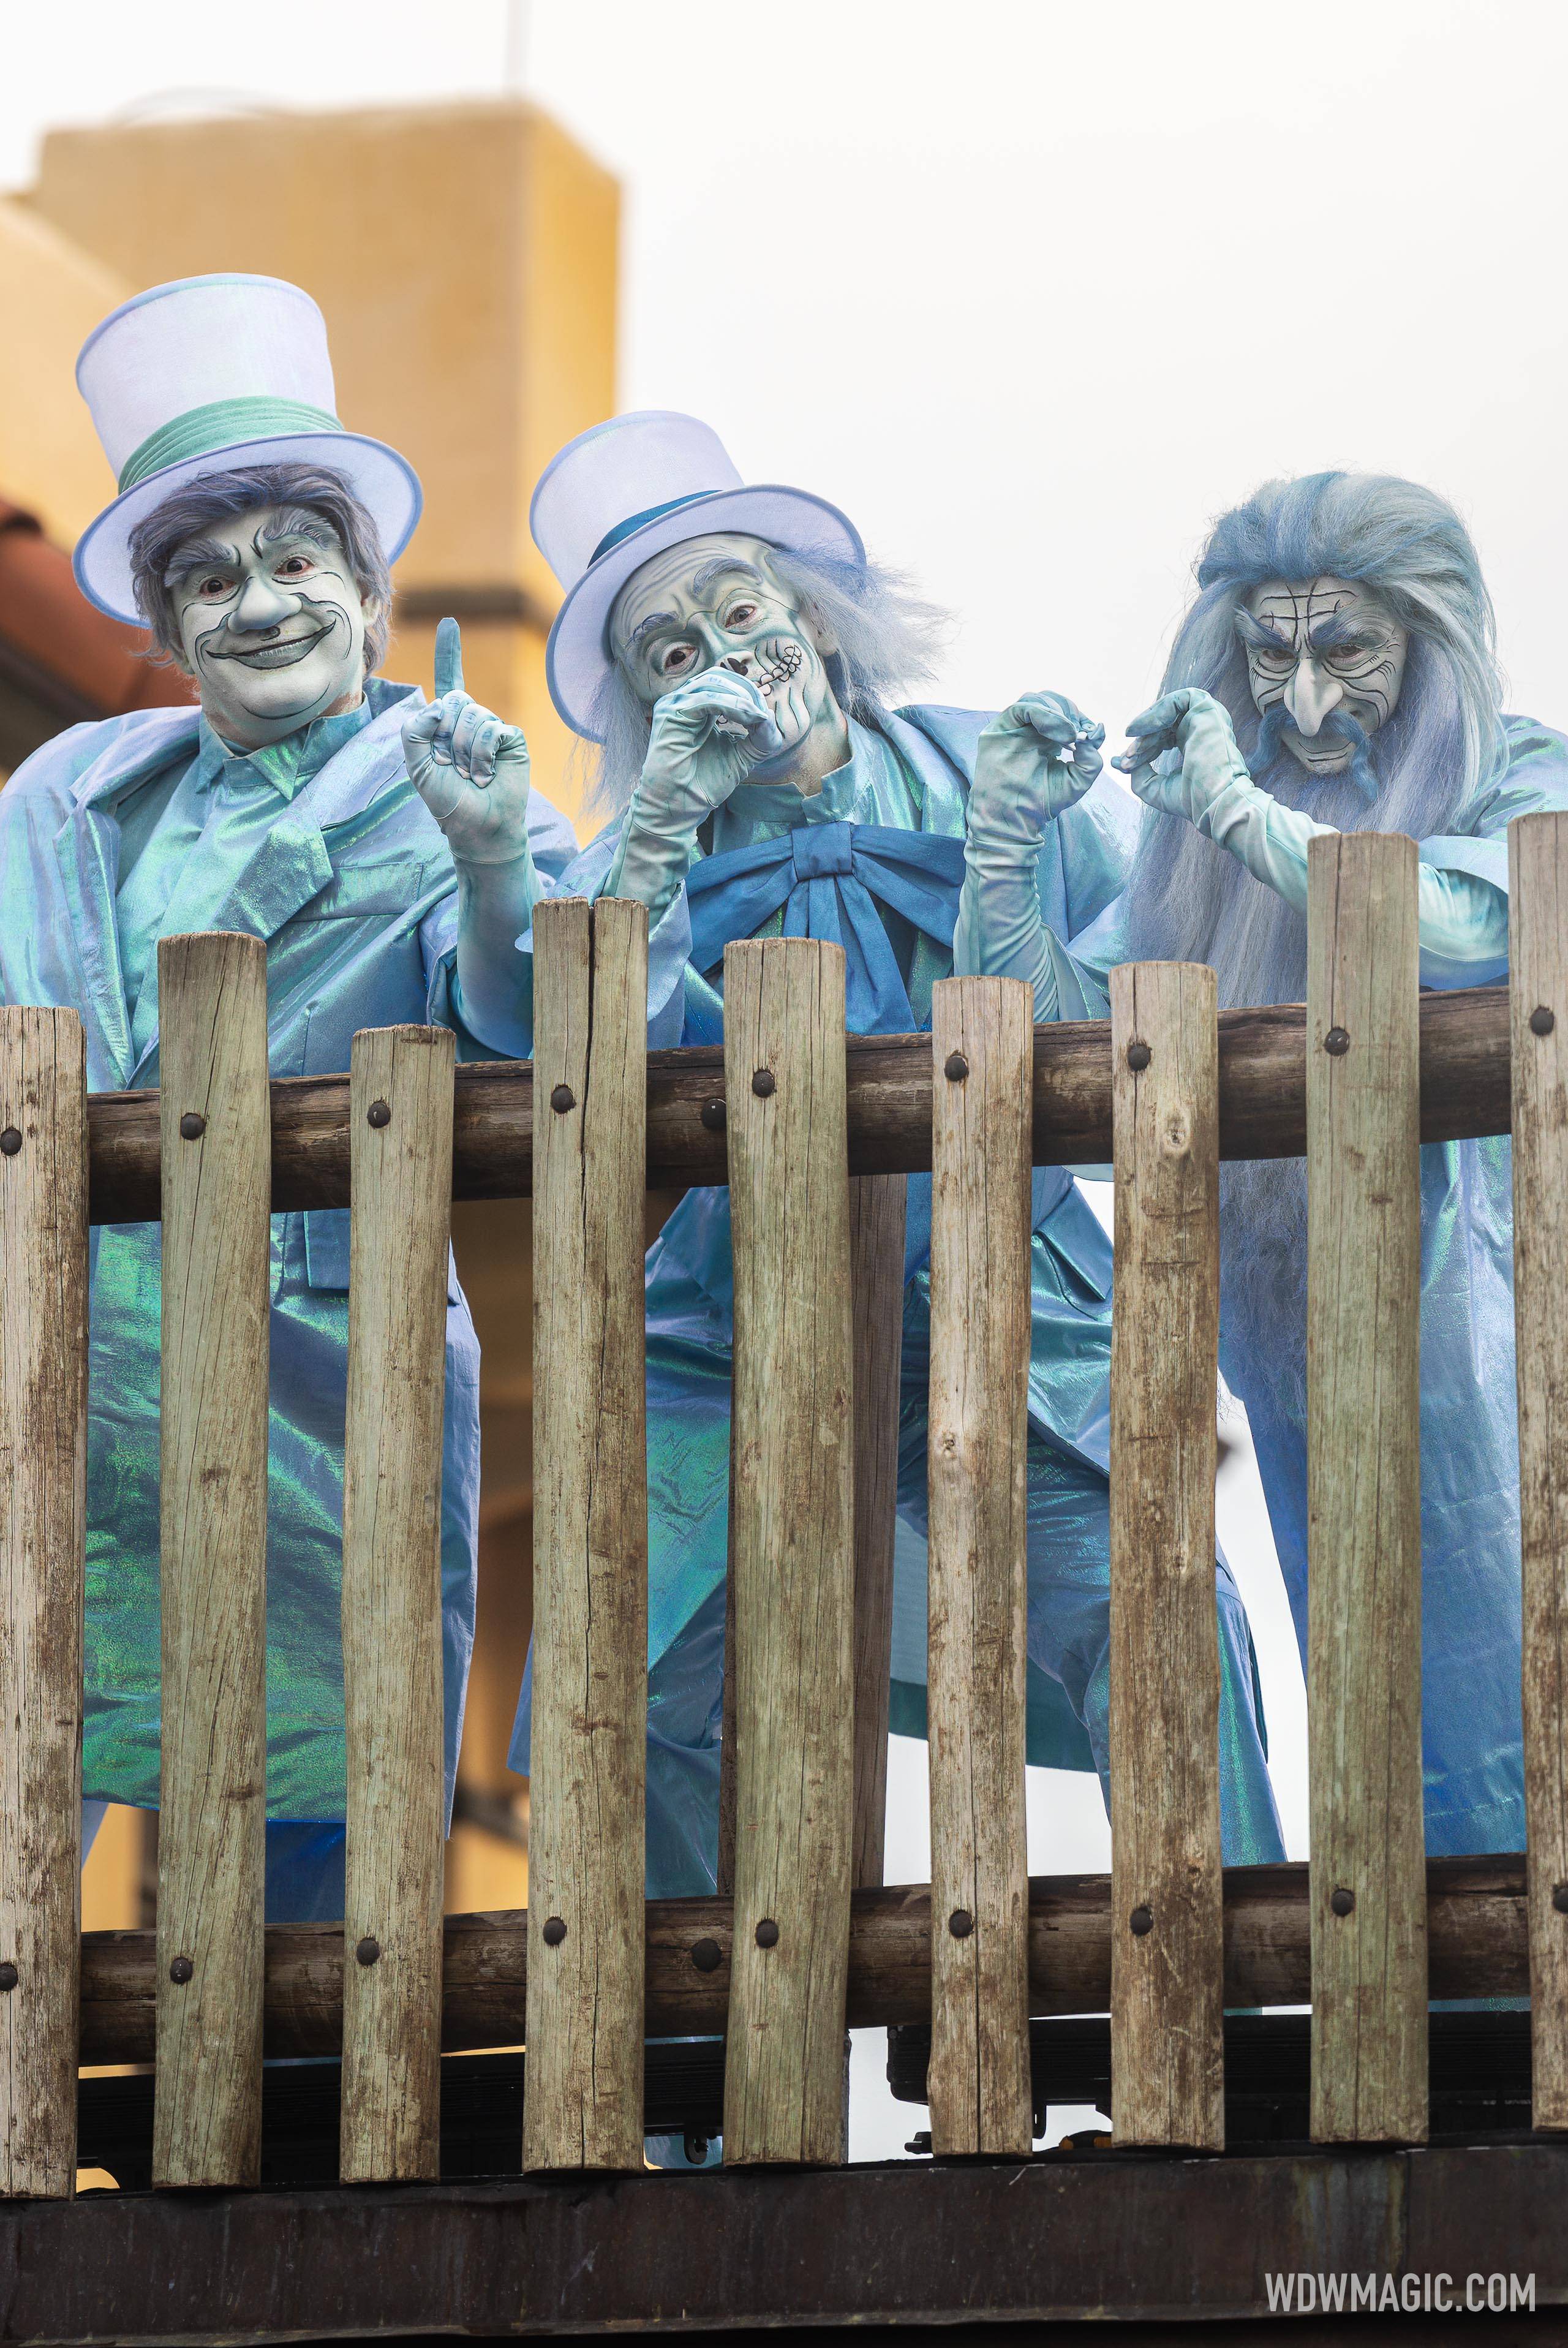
1186 762
708 734
1033 762
468 765
471 771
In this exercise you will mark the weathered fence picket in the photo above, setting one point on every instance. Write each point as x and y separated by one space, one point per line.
1167 1951
982 1040
792 1549
876 1301
43 1472
1363 1530
585 1971
400 1233
212 1049
1538 962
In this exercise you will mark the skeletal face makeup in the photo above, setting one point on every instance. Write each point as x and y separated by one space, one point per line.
1326 659
272 625
719 599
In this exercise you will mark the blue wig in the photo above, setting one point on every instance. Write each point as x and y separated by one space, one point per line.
1190 900
1441 745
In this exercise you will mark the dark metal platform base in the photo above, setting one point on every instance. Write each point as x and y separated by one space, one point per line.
1151 2240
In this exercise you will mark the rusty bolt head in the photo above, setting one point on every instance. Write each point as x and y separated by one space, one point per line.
1342 1901
767 1934
554 1931
367 1950
10 1141
762 1082
1560 1898
1138 1057
961 1923
956 1068
378 1114
1142 1921
706 1956
713 1114
1337 1041
192 1126
180 1972
561 1099
9 1976
1541 1021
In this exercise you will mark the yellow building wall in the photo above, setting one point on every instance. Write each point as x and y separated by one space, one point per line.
464 256
52 294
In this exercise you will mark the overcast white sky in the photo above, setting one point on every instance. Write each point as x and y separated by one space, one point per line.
1032 290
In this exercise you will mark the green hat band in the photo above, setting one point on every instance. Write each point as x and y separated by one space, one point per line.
222 424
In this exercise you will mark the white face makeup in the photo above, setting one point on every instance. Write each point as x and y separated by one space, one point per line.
717 599
272 625
1330 655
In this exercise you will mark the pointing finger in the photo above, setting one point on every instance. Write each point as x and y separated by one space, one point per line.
449 658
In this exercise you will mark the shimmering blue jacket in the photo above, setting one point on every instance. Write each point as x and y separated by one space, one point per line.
353 887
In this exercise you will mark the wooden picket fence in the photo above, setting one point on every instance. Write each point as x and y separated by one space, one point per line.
818 1259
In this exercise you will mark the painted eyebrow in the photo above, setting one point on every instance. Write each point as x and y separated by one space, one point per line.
296 521
1339 628
197 551
655 620
1256 632
720 567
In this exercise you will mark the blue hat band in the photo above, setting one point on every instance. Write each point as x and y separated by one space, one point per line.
222 424
637 522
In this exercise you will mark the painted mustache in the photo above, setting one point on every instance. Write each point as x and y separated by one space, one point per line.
1337 726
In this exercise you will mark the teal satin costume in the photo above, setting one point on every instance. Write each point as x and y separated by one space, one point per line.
1472 1730
110 836
875 860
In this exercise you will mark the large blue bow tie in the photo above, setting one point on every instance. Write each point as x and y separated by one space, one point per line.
830 878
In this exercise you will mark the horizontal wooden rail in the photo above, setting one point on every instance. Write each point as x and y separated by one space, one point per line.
1475 1928
1263 1108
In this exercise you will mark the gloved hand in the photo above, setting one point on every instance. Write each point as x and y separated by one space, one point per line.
1034 762
708 734
468 765
1207 781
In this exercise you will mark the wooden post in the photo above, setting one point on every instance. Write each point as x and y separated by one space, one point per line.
1538 960
793 1549
982 1042
213 1023
43 1505
400 1096
1167 1951
586 1799
1363 1522
876 1292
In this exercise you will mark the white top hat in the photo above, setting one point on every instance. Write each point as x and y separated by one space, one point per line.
625 491
209 373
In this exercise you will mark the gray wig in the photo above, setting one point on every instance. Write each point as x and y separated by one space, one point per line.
220 497
887 638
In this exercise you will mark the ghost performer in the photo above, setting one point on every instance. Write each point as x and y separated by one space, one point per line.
734 655
383 850
1336 672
